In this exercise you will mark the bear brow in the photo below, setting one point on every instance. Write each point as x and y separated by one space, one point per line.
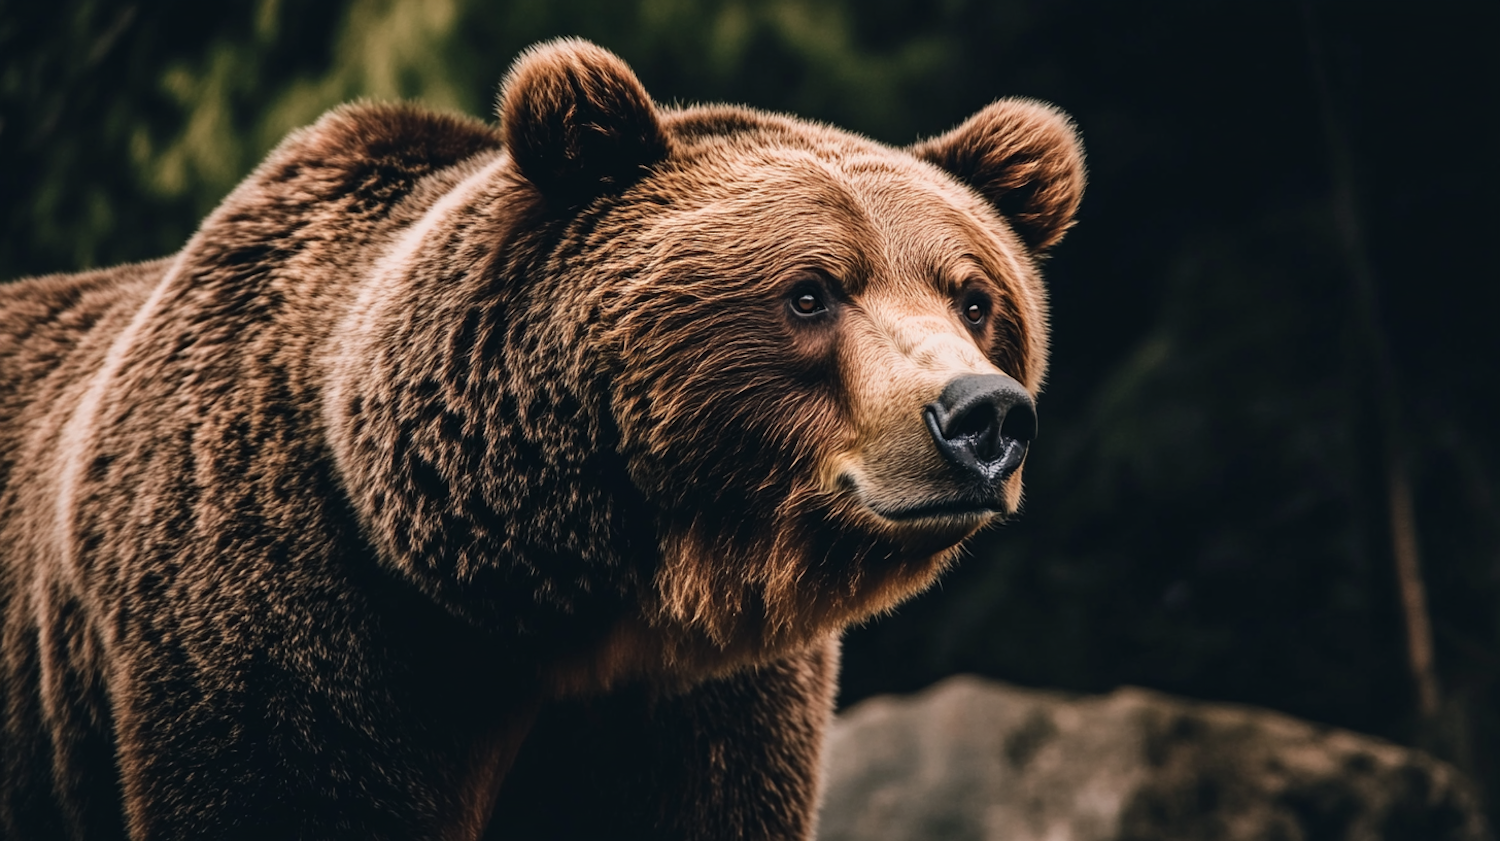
951 276
808 189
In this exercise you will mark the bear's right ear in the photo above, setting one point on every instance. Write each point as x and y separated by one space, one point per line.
1024 157
577 122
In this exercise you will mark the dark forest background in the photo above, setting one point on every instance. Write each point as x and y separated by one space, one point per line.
1268 468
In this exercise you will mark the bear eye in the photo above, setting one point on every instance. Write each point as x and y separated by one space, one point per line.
808 304
808 300
974 309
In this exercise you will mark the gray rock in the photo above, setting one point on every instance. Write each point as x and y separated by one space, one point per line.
971 759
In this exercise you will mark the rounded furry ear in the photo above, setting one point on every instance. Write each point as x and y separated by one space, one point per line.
1024 157
577 122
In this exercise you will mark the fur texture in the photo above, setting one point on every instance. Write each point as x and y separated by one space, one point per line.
457 480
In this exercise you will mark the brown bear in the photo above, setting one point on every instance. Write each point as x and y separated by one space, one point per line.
457 481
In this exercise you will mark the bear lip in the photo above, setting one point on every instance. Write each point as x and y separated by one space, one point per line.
945 509
950 508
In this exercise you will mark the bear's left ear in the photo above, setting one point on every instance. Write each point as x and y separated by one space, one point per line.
1025 158
577 122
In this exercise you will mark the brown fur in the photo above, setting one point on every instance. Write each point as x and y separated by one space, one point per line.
455 480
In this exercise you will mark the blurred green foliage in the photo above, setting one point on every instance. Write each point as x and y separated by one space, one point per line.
1206 510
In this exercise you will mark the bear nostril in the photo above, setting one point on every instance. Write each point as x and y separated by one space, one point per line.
979 426
983 424
978 419
1019 423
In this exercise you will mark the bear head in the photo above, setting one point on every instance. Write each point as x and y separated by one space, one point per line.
745 377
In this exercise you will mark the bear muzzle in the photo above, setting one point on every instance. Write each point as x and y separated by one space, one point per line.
978 431
981 425
945 432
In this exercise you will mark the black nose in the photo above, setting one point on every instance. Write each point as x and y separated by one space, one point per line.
983 424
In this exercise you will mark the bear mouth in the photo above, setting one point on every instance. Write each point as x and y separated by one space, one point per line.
944 509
